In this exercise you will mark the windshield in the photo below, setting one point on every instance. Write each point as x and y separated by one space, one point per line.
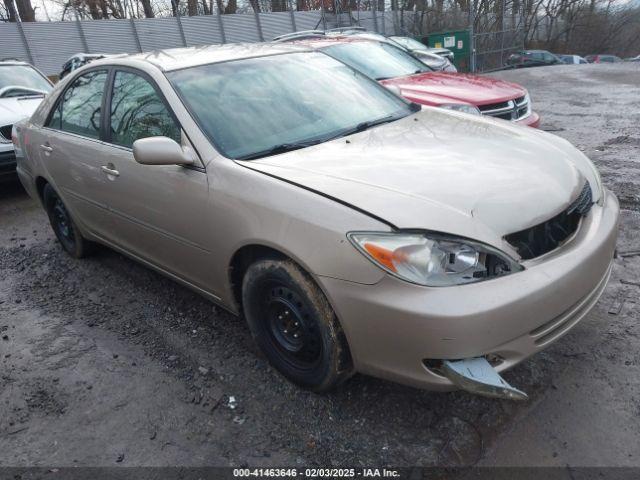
23 76
262 106
377 60
410 43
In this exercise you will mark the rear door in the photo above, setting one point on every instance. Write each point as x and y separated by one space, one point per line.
159 212
71 149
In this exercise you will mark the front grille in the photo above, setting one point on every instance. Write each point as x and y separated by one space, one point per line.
5 131
513 110
544 237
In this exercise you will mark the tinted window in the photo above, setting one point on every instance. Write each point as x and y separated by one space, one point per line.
377 60
253 105
79 109
137 111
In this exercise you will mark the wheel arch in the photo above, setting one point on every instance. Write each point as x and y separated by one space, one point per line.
41 182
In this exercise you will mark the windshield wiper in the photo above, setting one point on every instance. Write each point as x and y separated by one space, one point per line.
289 147
278 149
362 126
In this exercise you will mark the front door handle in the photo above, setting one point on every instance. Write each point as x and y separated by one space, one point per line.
46 148
110 170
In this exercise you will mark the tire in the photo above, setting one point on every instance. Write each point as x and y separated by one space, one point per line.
63 225
293 324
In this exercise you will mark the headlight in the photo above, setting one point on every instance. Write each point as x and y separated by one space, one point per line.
432 259
462 107
527 99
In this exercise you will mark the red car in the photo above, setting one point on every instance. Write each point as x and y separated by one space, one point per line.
415 81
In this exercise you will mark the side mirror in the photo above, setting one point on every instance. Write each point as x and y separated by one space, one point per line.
160 151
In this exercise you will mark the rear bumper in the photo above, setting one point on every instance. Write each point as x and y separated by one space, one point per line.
393 326
532 120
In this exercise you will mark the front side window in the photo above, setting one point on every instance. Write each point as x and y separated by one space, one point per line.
79 109
137 111
377 60
267 105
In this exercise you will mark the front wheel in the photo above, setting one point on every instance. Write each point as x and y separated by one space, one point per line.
63 226
294 325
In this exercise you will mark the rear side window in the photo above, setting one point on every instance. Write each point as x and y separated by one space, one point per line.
137 111
79 108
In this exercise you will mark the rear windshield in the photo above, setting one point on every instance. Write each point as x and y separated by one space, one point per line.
410 43
22 76
250 106
377 60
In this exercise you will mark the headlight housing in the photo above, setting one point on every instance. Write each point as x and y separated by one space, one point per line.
527 100
431 259
462 107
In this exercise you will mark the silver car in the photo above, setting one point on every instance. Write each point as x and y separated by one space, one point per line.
355 232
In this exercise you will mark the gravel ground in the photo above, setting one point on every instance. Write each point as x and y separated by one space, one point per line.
104 362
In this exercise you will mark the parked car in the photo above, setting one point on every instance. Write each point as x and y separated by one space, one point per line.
22 88
77 61
432 60
532 58
572 59
435 58
603 59
398 70
633 59
414 45
353 230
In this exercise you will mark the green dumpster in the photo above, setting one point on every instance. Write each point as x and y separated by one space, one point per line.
456 41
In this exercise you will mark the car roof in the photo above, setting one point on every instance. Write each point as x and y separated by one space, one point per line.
178 58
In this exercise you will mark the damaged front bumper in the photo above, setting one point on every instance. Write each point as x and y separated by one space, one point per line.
395 329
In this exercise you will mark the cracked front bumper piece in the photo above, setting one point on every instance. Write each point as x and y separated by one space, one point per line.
476 375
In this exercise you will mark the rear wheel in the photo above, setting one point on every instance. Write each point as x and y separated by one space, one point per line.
63 226
294 325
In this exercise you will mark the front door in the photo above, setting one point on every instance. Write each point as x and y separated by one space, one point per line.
159 212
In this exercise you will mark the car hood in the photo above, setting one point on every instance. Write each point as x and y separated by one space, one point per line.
443 171
15 109
437 88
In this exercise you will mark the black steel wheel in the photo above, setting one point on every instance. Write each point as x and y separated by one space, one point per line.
62 224
294 325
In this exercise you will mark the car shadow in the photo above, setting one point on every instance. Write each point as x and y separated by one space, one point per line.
11 189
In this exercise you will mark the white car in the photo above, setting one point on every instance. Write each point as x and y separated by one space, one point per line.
22 88
573 59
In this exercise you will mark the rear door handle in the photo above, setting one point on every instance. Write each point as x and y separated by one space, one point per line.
110 170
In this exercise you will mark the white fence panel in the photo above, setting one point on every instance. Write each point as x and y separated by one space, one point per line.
309 20
240 27
52 43
275 23
11 43
109 36
201 30
158 33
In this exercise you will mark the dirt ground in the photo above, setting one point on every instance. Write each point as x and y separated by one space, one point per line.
104 362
